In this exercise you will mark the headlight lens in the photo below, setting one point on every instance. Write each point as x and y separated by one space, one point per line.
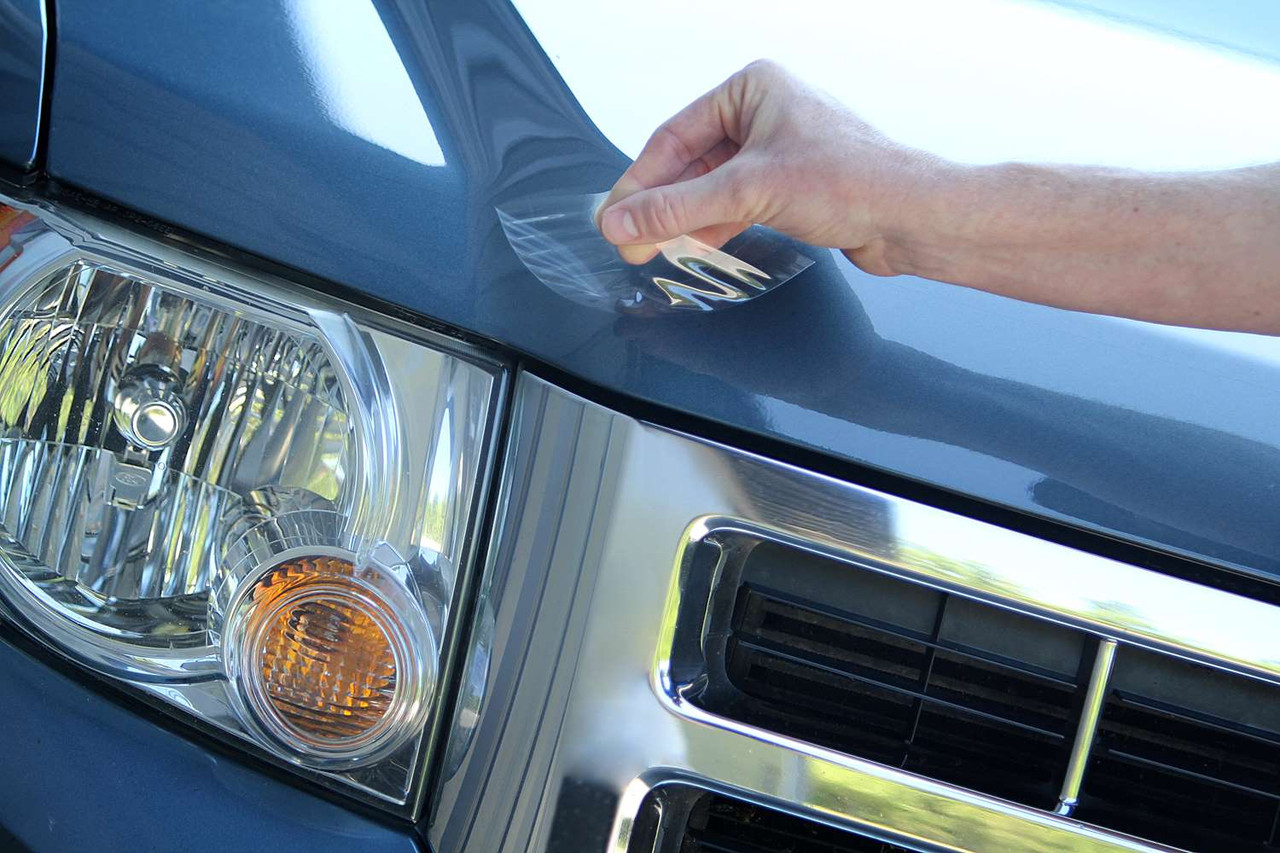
116 501
233 496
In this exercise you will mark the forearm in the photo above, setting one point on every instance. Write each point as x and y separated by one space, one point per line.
1198 249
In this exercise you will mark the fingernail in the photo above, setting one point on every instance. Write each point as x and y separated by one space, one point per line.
619 226
639 254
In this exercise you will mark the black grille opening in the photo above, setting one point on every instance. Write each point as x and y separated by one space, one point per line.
719 824
1187 755
987 699
922 701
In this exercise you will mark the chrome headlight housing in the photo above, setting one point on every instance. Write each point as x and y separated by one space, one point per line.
252 502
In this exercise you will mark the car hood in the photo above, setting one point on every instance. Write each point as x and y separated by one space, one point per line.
368 144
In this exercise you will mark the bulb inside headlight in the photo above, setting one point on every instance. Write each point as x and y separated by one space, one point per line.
133 423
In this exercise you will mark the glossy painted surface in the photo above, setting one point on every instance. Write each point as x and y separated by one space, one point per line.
22 52
82 772
369 142
598 598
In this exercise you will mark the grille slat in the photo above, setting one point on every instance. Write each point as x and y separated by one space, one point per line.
1209 749
1190 775
1179 774
928 696
899 696
765 621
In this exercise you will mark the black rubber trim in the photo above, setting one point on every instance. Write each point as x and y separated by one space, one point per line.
10 842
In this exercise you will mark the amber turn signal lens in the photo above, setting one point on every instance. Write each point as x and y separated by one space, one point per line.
324 655
326 661
330 659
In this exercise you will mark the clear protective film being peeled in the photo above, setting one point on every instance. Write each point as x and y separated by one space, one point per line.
556 238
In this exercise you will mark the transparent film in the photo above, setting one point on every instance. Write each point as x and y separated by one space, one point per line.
556 238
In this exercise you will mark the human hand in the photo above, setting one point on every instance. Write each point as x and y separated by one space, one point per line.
1190 248
764 148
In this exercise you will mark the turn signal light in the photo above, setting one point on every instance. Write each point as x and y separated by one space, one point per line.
324 653
330 661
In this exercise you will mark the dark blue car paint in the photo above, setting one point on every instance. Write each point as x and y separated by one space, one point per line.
1117 428
81 772
1122 430
22 52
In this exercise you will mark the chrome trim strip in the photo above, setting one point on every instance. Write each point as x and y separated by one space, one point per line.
1087 729
594 561
628 809
1004 568
898 807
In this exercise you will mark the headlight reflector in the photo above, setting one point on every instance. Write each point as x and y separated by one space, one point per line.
114 500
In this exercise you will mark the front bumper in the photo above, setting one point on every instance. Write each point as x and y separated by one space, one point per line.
83 772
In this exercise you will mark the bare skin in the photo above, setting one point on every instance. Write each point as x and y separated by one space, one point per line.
1196 249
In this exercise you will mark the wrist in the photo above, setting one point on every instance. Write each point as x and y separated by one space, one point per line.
934 203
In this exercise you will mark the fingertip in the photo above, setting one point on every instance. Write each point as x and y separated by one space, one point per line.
625 186
619 226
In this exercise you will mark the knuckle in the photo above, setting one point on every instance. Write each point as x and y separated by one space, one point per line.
664 215
746 77
740 194
757 83
668 141
763 68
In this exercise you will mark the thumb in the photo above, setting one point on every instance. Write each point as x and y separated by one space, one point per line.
666 212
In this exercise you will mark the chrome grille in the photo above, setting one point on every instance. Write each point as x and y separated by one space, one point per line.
978 696
1195 776
611 584
922 702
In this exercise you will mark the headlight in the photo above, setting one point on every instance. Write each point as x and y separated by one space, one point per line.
251 503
